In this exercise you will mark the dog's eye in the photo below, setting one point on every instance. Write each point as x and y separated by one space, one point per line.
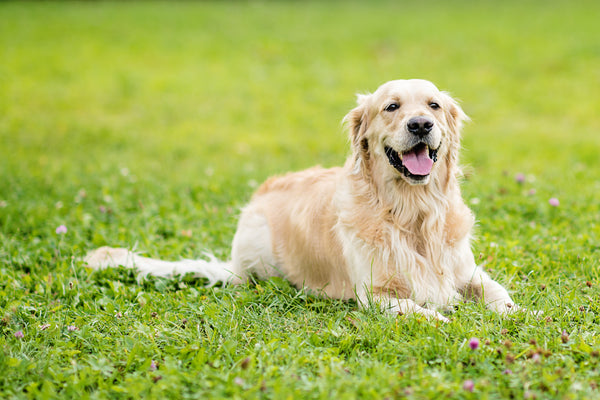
434 105
392 107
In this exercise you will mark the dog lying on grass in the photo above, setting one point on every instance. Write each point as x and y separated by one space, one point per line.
389 227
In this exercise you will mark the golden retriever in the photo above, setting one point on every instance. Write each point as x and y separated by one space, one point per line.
389 227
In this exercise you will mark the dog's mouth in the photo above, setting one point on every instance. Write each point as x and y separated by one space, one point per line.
415 163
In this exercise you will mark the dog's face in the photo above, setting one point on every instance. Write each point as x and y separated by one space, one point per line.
409 124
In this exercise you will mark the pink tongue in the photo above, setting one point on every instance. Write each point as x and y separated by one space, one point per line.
418 161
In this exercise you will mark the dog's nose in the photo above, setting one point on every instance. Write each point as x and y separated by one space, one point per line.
420 126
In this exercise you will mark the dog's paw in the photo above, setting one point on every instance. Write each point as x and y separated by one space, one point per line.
440 317
509 308
535 313
431 315
506 308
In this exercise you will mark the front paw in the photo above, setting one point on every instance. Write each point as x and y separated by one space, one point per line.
505 308
508 307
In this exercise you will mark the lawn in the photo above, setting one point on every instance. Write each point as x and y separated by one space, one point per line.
148 125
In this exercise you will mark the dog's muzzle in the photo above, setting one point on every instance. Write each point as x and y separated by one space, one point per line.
415 163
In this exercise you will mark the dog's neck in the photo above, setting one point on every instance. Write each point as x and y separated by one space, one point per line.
392 192
422 214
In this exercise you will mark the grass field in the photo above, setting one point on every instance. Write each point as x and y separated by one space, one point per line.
150 124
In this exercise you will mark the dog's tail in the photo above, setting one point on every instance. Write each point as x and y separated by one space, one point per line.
213 269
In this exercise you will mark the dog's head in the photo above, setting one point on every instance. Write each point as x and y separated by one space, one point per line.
408 125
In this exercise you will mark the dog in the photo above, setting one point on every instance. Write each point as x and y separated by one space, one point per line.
389 228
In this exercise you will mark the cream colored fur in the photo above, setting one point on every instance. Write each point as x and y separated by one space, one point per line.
364 230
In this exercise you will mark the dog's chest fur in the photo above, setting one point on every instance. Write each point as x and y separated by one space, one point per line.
414 247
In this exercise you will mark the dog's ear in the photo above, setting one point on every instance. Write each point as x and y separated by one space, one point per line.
357 122
455 116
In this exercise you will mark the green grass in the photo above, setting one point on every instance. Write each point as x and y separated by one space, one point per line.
134 123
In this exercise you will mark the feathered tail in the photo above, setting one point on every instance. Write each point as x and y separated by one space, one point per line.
213 269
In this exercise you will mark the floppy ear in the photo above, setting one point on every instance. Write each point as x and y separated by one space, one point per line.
357 122
455 116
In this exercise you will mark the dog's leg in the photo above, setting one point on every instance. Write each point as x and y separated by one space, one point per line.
398 306
494 295
473 281
252 248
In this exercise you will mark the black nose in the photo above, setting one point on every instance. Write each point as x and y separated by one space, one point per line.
420 126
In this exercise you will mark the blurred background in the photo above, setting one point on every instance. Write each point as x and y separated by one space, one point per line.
161 109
